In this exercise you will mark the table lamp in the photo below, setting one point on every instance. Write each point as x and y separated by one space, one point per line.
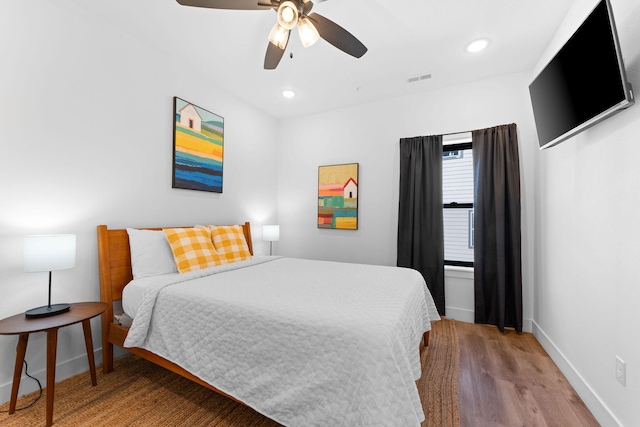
48 253
271 233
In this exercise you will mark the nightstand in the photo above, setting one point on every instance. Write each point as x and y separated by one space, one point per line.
23 326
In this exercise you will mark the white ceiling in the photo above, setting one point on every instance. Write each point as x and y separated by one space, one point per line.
405 38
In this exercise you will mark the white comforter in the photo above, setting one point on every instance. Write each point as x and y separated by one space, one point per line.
306 343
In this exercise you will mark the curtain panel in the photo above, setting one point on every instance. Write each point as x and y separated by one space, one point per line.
497 246
420 215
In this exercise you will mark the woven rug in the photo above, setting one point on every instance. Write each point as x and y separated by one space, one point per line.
438 385
139 393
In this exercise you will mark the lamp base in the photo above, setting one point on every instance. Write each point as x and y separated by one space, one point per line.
48 310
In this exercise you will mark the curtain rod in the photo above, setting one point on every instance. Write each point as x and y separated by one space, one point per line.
458 133
466 131
469 131
443 134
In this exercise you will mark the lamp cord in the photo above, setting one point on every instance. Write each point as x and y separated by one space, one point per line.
26 369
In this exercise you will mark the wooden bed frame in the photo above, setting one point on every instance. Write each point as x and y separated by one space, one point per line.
114 259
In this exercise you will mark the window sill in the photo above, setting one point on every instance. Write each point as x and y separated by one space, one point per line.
458 271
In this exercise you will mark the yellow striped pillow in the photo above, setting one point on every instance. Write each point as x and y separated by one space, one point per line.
192 248
230 242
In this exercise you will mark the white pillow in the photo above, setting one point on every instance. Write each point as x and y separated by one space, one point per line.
150 253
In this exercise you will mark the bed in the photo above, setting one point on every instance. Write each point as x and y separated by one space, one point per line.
306 343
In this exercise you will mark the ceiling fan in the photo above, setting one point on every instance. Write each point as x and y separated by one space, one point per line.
311 26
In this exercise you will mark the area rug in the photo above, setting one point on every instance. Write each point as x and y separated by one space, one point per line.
139 393
438 386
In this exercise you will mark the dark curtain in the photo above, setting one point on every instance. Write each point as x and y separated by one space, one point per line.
420 228
497 244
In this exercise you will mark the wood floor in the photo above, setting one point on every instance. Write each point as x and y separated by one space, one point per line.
509 380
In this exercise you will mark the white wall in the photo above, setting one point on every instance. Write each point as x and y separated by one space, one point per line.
86 139
369 135
586 256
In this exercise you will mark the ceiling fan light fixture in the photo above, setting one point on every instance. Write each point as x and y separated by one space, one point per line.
307 31
288 14
279 36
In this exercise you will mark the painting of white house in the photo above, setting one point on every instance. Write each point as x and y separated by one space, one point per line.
338 196
198 148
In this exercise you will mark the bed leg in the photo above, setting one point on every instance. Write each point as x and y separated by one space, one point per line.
107 347
425 338
107 359
106 295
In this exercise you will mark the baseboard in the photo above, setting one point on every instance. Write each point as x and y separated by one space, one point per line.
466 315
64 370
597 407
461 314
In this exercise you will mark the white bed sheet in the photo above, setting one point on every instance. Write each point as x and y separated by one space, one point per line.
306 343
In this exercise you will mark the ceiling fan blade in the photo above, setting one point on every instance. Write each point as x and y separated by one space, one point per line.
230 4
273 56
338 36
272 4
307 7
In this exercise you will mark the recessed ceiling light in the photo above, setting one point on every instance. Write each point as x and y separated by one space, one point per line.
477 45
288 93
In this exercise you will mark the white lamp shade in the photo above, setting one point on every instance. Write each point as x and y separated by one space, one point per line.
308 32
271 233
49 252
287 15
279 36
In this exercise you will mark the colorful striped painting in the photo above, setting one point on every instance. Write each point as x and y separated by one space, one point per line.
198 148
338 196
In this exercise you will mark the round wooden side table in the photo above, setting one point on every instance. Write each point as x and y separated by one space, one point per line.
23 326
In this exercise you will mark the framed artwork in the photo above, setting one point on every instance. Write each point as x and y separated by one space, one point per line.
338 196
198 148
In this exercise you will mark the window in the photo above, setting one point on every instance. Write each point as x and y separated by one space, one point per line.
452 154
472 228
457 197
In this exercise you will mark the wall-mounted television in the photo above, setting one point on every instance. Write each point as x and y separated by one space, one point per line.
584 83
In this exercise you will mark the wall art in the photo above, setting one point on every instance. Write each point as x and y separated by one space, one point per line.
338 196
198 148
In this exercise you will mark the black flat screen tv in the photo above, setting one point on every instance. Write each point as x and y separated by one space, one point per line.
584 83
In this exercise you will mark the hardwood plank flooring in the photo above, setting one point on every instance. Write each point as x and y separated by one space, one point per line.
509 380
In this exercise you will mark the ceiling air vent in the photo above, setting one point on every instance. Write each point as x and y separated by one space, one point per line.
418 78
